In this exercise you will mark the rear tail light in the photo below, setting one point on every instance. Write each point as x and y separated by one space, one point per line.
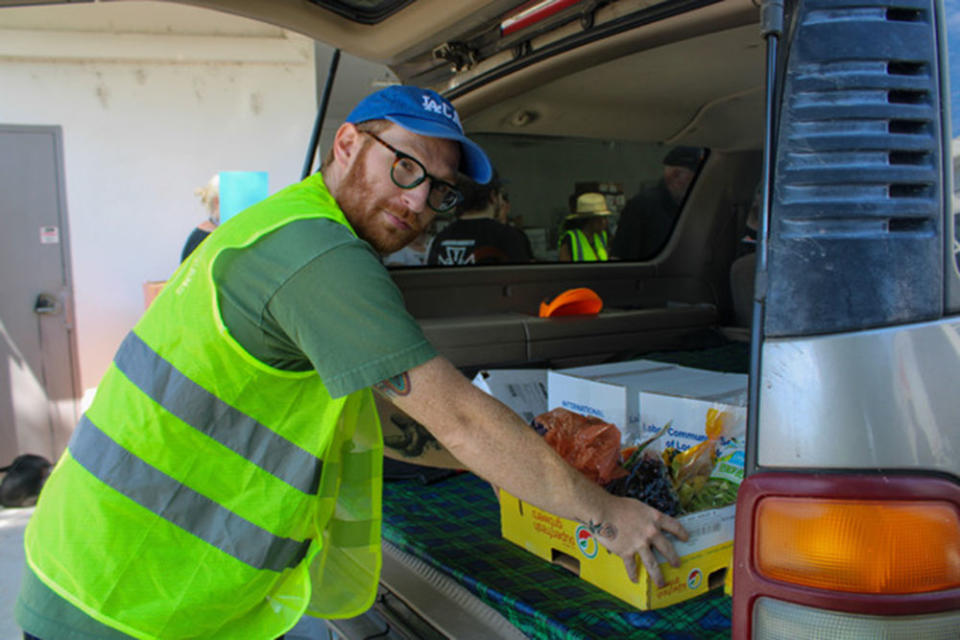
842 555
860 546
777 620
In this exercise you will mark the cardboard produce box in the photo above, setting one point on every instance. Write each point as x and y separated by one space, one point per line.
705 558
523 390
641 396
688 416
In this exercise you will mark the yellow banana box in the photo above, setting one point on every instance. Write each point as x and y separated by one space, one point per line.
705 558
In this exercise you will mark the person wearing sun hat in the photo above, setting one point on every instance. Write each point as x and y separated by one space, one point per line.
226 478
584 238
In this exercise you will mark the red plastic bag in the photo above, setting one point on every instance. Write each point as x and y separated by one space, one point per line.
589 444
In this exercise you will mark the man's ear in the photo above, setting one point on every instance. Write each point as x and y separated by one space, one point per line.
346 144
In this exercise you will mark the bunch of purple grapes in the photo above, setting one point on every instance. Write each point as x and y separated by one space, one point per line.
649 481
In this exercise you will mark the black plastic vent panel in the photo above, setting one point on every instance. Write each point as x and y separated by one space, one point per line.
855 236
363 11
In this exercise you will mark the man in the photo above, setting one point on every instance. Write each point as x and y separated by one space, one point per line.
480 234
648 218
226 478
584 237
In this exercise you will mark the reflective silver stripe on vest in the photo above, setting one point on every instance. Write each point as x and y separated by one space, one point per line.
209 414
154 490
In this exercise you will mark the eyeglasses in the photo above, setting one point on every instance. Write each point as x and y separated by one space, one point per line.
407 173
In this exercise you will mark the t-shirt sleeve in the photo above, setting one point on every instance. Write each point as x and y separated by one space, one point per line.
346 314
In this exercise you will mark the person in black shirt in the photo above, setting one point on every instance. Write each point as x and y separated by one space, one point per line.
649 217
480 234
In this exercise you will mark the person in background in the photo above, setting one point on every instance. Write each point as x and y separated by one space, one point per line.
744 267
649 217
414 254
584 237
209 195
481 234
226 478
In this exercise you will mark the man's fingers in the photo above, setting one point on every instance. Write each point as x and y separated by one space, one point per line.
650 562
663 545
671 525
630 564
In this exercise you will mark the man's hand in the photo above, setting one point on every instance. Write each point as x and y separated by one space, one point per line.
630 528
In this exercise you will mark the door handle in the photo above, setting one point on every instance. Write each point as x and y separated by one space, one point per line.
47 304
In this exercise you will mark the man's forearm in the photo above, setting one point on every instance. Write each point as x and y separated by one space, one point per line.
498 445
407 440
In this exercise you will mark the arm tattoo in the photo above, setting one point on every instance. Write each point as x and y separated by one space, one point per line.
413 439
395 386
600 529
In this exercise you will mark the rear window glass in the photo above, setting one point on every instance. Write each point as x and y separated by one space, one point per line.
634 194
952 8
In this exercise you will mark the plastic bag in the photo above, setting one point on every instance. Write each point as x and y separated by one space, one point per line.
721 488
691 469
587 443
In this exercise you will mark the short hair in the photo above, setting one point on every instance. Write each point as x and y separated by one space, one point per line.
686 157
369 126
476 196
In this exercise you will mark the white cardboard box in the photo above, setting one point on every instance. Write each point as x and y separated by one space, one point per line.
523 390
688 415
613 394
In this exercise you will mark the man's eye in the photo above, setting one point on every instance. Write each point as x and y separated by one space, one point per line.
408 166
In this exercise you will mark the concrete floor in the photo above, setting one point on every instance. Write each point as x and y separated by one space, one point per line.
12 524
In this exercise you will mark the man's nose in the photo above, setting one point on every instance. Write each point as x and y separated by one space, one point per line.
415 199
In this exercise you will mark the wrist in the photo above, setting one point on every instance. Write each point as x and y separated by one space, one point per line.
600 520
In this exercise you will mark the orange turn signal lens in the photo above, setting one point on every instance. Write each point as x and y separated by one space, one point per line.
860 546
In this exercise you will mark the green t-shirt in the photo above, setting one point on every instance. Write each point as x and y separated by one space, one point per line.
308 295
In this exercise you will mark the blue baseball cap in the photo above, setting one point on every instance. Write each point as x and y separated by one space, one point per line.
426 113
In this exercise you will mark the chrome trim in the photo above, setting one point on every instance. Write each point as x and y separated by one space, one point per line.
880 399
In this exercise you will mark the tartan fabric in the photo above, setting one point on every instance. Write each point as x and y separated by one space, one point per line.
454 526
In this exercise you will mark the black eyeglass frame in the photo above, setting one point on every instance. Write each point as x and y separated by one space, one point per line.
434 181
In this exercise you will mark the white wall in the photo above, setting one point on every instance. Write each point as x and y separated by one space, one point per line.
153 99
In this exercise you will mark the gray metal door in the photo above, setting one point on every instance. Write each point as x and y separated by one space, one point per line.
38 375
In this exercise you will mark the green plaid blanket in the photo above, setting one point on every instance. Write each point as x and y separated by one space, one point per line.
454 526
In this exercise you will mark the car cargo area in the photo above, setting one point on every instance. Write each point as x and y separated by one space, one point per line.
599 117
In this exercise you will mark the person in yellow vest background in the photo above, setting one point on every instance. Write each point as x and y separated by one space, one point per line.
226 479
584 237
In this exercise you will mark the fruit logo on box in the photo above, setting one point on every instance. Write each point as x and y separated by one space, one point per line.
694 579
586 542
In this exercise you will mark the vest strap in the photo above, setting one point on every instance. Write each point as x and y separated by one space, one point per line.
202 410
194 512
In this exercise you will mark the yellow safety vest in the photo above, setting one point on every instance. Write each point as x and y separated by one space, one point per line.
582 250
205 494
